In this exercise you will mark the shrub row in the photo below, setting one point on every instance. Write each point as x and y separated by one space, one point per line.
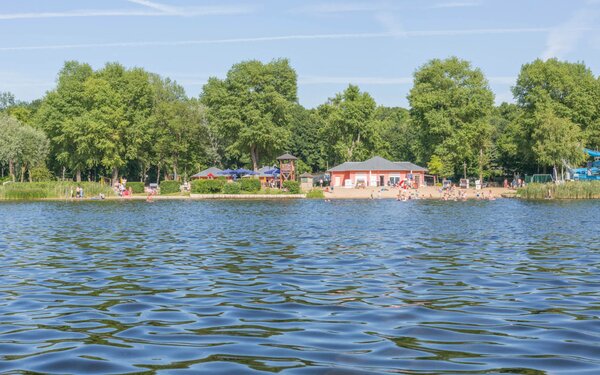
169 187
136 187
250 185
293 187
208 186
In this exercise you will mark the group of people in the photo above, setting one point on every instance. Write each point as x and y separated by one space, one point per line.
77 193
121 189
453 194
516 183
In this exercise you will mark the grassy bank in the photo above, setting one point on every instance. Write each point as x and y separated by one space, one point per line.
568 190
55 189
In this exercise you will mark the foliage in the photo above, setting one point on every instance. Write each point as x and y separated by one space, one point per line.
7 99
349 129
169 187
250 185
232 188
40 173
293 187
52 189
569 190
451 104
250 108
21 146
315 194
397 135
556 139
558 102
136 187
25 194
208 186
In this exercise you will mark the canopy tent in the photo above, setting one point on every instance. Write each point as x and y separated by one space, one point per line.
592 153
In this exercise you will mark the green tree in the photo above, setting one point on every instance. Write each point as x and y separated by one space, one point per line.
21 146
556 139
350 128
451 104
396 133
59 114
570 89
306 144
250 108
7 100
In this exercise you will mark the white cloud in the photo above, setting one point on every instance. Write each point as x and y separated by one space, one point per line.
564 38
157 6
418 33
156 10
456 4
347 7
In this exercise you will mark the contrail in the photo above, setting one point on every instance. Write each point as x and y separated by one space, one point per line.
406 34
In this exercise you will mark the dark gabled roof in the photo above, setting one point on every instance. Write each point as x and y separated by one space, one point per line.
287 157
306 175
212 170
376 163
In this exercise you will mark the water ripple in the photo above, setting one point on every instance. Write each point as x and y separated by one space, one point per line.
300 287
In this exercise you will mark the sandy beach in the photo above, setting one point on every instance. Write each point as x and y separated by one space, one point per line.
426 192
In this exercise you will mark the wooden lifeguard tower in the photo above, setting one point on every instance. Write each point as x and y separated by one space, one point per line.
287 168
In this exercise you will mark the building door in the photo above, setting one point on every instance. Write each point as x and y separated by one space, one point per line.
337 181
381 180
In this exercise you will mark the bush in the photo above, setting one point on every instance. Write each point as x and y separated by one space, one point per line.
232 188
208 186
315 194
41 173
136 187
24 194
293 187
52 189
250 185
169 187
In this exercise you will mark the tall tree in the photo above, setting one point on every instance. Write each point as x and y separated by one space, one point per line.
250 108
59 115
21 146
451 105
350 129
556 96
396 133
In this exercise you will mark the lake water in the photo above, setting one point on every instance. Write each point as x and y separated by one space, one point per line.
300 287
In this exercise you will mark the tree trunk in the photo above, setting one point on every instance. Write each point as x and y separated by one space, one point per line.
115 175
63 173
175 171
29 175
481 166
23 169
11 170
78 175
158 174
254 156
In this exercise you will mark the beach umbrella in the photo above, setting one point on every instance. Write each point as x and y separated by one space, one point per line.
243 171
273 171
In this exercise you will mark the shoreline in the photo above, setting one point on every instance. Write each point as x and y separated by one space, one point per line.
423 193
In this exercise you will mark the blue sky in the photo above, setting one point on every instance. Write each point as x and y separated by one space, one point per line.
376 44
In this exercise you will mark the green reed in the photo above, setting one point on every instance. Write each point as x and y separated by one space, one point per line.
568 190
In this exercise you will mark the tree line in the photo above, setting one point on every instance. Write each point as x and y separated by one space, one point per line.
116 121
